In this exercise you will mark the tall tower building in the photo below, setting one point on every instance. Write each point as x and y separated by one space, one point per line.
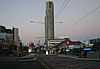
49 20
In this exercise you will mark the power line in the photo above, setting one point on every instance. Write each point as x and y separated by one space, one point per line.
62 8
81 19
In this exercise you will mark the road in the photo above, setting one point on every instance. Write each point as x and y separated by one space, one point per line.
21 65
66 62
40 61
26 62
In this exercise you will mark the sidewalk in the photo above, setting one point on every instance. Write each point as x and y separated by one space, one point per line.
27 57
68 62
76 57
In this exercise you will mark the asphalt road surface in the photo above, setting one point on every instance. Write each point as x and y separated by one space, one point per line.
21 65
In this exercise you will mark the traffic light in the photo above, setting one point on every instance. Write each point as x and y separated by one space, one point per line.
31 44
67 41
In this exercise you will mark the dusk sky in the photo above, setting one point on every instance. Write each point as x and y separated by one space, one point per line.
81 18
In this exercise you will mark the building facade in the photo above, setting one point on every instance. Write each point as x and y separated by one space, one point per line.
9 41
2 29
3 43
16 41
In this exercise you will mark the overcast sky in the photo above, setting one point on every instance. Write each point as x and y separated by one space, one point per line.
77 24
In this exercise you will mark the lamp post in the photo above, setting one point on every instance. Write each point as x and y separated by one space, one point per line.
43 22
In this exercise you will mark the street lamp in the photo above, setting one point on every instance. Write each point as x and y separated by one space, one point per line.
36 22
42 22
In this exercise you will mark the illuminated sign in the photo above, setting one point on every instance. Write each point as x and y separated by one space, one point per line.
87 49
